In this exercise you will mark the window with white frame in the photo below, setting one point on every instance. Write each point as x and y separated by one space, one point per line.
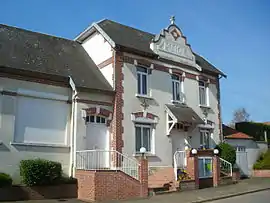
205 138
205 167
142 80
176 88
240 149
203 95
95 119
143 133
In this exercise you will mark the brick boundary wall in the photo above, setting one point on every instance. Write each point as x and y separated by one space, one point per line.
261 173
103 185
20 193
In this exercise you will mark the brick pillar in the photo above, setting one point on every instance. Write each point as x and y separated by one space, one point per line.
143 175
216 171
193 167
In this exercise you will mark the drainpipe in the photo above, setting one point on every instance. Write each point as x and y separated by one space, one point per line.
73 127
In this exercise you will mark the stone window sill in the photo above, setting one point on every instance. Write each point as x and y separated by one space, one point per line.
39 145
204 106
143 96
147 154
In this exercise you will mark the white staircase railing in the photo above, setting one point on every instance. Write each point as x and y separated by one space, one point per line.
225 167
179 161
107 160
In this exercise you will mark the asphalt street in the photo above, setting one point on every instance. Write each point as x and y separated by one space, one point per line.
258 197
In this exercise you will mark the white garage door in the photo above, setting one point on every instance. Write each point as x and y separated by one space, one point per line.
41 121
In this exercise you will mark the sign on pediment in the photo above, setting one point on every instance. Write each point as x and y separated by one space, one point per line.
171 44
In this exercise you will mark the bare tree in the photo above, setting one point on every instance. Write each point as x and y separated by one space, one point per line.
239 115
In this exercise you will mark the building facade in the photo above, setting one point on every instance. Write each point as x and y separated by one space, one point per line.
167 96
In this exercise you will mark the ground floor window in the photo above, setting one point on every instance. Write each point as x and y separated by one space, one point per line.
95 119
143 133
205 138
205 167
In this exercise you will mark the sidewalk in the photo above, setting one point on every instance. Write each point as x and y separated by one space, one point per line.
210 194
195 196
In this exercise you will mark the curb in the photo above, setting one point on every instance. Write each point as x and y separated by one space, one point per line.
231 195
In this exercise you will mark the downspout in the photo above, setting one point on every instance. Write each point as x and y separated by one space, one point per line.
73 127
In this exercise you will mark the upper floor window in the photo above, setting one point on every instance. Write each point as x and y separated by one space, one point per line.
203 95
142 83
177 88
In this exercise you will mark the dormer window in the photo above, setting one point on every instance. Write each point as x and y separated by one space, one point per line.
142 80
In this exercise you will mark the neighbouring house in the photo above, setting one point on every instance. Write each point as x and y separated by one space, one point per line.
167 96
49 86
247 149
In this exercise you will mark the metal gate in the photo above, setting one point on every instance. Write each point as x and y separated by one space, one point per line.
242 163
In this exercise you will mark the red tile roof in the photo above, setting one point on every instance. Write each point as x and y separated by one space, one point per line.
267 123
238 135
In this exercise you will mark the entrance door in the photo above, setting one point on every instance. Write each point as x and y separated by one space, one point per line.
98 138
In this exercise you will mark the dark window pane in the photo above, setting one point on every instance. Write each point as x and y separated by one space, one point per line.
138 83
146 139
201 168
173 90
92 119
98 119
138 138
201 83
102 120
175 77
141 69
177 91
87 119
144 84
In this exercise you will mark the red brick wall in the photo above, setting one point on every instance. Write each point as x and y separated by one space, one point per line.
106 185
261 173
116 124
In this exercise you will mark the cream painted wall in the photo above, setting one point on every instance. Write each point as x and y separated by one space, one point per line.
11 155
100 50
160 90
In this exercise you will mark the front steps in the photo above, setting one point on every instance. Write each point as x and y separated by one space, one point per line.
162 179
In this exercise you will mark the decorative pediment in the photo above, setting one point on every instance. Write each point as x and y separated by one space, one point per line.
172 45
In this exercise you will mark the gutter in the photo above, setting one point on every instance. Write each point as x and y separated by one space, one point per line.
73 127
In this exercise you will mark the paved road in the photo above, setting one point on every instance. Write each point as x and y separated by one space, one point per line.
258 197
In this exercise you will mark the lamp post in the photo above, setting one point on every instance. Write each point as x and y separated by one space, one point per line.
142 151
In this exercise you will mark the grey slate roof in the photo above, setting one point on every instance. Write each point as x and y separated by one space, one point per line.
183 113
135 39
23 50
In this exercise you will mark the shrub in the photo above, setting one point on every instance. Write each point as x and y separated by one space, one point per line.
5 180
227 152
263 163
40 172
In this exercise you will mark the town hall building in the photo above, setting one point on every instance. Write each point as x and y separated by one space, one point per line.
114 89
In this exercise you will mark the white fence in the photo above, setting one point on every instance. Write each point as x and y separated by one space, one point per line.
107 160
225 167
179 161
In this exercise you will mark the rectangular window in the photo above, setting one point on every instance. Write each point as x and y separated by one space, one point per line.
142 80
176 88
205 138
202 93
205 167
143 137
41 121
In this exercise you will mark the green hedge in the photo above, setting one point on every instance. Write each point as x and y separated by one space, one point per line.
263 163
5 180
227 152
40 172
255 130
